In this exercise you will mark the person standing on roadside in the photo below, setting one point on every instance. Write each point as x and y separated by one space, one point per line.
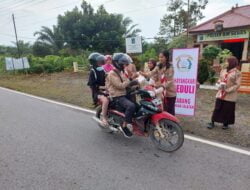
165 74
228 85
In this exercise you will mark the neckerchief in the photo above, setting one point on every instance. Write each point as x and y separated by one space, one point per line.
223 93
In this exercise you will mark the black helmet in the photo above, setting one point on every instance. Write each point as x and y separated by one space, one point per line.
120 59
95 58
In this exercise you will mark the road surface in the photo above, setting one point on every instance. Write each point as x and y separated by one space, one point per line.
44 146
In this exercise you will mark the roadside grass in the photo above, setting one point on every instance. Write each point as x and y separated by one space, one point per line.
72 88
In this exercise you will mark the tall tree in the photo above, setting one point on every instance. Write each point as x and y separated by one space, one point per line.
131 29
177 18
98 30
52 37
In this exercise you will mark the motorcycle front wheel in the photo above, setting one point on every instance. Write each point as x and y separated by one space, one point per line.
171 137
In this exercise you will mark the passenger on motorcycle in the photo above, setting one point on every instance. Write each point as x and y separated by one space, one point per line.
97 83
117 84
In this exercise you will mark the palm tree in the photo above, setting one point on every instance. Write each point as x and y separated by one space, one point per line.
131 30
52 37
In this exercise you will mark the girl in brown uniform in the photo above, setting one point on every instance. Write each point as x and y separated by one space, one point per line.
164 72
229 83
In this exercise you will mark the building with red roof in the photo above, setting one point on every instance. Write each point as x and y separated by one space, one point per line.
229 30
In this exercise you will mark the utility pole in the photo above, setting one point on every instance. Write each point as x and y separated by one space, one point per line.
17 44
188 15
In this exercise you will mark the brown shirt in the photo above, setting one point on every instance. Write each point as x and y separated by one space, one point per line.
115 86
232 84
157 74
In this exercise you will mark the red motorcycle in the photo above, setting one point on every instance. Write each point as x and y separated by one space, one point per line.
148 121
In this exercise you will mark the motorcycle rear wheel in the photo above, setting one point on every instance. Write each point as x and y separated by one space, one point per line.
170 129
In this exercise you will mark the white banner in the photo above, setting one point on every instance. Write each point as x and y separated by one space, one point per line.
185 62
134 45
16 64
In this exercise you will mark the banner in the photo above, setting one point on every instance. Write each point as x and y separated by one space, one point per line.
134 45
185 62
16 64
215 36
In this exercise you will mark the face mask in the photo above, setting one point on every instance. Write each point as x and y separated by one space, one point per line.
99 68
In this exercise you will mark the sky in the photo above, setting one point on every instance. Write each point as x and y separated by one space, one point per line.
30 15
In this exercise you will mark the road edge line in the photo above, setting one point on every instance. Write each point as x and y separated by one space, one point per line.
189 137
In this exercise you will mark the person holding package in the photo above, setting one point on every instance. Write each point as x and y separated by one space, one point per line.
164 73
228 85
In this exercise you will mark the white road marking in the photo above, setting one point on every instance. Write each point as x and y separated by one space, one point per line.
189 137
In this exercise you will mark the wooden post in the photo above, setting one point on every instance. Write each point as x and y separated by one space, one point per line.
245 50
201 49
75 66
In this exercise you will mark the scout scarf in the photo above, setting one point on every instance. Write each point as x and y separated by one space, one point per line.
225 79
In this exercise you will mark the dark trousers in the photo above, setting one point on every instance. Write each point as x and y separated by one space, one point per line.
169 105
128 106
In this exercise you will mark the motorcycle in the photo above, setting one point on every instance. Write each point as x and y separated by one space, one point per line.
148 121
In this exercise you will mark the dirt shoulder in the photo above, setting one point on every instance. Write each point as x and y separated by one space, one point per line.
72 88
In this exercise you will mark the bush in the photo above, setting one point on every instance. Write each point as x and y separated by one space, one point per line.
224 54
150 53
2 64
36 68
212 77
180 41
203 71
210 53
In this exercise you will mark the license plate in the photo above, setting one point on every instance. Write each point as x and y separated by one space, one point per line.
157 102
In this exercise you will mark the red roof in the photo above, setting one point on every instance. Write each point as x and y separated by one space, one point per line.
234 18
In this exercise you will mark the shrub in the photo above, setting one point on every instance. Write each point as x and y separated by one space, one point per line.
2 64
203 71
36 68
150 53
179 42
224 54
51 63
210 53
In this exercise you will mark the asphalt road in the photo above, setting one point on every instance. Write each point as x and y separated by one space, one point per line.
50 147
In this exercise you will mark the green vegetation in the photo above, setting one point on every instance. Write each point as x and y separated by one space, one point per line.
203 71
210 53
176 21
2 64
50 63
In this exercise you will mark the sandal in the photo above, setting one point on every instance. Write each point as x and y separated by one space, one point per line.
104 122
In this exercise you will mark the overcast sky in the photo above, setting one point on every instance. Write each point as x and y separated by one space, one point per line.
32 14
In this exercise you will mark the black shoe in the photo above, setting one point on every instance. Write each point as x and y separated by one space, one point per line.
210 125
225 127
126 132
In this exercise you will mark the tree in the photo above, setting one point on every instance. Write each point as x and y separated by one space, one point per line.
131 30
84 28
51 37
177 19
41 49
179 42
24 47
